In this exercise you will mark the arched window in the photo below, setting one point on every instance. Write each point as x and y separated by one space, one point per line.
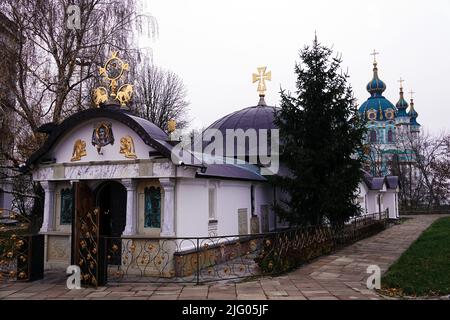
152 207
390 136
373 136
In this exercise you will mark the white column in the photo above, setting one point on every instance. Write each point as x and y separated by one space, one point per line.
168 227
131 219
49 206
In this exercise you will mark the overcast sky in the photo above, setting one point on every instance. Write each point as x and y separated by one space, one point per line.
215 46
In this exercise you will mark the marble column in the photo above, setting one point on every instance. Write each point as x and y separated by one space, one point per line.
131 215
49 206
168 227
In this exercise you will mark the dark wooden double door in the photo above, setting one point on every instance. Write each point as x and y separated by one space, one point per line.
98 223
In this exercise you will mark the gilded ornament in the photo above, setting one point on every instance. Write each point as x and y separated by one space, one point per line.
79 150
113 71
127 147
100 96
262 76
124 94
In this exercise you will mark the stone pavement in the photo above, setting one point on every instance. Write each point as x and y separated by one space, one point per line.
341 275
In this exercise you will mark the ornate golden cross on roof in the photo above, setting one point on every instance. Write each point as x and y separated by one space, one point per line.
374 54
411 93
401 82
261 77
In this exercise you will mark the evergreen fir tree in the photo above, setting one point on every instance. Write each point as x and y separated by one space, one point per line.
321 137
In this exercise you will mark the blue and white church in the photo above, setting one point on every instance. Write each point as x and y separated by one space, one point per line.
389 127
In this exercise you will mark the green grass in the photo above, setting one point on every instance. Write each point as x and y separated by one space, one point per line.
424 269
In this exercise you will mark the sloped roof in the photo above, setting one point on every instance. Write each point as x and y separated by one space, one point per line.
151 134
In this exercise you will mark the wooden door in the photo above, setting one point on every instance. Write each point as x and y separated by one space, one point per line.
86 245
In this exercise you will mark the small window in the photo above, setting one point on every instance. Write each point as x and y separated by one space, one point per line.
390 114
66 206
212 203
371 115
152 207
373 136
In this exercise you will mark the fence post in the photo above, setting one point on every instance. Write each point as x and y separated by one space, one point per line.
198 262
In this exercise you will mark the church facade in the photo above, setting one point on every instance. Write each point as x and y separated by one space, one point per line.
390 128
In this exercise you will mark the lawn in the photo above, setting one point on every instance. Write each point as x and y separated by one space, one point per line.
424 269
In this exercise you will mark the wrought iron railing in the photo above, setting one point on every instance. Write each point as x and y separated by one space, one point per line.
21 253
206 259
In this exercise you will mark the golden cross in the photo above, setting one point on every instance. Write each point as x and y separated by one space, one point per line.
261 77
411 93
374 54
401 82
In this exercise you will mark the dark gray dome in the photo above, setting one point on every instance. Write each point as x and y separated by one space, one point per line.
257 117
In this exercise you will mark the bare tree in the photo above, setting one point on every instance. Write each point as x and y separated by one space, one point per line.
426 175
54 66
54 60
161 96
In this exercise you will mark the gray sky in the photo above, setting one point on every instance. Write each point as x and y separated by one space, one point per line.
215 46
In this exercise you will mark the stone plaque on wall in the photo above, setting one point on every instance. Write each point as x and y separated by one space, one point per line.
243 221
254 224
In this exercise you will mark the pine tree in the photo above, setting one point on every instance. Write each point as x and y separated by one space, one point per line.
321 137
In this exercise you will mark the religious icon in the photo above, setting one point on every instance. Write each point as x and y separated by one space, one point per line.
127 147
102 136
79 150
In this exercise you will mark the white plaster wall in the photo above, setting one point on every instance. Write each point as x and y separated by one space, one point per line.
191 208
362 194
231 196
372 201
192 214
389 201
264 196
63 150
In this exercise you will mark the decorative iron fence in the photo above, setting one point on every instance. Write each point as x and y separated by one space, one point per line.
444 209
21 253
207 259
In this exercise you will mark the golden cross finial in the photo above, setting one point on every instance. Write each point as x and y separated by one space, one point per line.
412 94
261 77
401 82
374 54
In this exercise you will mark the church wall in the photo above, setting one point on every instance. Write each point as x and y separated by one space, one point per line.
191 207
58 242
63 150
263 206
231 197
372 201
390 201
362 198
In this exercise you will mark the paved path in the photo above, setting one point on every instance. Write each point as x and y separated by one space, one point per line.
341 275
